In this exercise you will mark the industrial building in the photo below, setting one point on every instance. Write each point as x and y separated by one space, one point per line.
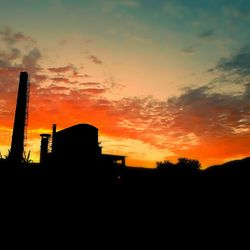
74 146
77 145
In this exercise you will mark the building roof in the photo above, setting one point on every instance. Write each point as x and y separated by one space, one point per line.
115 157
78 127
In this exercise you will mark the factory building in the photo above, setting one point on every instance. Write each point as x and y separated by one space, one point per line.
77 145
73 146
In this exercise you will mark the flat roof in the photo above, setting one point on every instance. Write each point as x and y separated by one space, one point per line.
114 156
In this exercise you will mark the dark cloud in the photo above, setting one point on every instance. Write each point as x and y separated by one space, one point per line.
12 54
209 114
6 57
191 49
39 78
60 79
10 37
4 63
239 63
31 59
95 60
90 84
86 75
206 34
93 91
13 59
202 37
63 69
58 89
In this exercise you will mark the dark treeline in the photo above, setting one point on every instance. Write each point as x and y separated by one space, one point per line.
186 172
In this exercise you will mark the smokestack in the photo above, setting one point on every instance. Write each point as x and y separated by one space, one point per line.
44 147
53 137
21 115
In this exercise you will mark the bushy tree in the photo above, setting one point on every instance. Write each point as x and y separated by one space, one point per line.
164 165
188 164
183 165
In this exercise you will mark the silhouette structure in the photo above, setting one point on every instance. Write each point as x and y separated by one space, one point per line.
21 118
44 147
77 146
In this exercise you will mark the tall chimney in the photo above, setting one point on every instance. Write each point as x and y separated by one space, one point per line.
53 137
44 147
18 135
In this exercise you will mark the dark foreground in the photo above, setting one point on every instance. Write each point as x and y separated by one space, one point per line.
228 180
126 202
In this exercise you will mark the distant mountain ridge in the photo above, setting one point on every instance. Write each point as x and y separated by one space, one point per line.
232 167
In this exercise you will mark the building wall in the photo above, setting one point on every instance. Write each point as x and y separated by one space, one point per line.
77 144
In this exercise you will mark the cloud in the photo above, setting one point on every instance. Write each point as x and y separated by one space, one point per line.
18 56
191 49
63 69
4 63
13 54
86 75
30 60
7 57
93 91
239 63
60 79
202 38
58 89
95 60
89 84
207 34
38 78
207 114
10 37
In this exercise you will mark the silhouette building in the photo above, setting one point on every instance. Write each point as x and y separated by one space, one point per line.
77 145
44 147
21 118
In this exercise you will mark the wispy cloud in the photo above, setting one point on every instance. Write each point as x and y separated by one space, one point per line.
239 63
62 69
11 37
201 39
30 60
95 59
206 34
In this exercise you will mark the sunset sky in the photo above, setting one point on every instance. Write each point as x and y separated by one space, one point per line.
161 79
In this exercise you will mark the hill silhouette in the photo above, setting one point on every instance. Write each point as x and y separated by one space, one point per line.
235 167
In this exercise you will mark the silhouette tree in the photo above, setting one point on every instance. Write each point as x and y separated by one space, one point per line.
188 164
165 165
184 165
